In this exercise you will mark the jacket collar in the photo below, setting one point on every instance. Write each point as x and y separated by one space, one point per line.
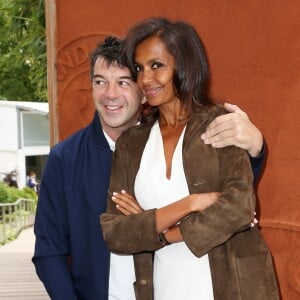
97 132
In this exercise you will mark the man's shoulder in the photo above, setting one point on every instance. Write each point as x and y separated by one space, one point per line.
71 142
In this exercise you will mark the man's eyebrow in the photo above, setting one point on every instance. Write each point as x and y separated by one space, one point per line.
126 77
97 75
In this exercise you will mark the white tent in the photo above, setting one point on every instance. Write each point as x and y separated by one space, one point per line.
24 138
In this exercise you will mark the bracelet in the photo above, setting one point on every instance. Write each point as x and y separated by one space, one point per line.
162 237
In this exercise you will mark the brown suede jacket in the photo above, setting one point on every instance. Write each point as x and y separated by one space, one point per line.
241 263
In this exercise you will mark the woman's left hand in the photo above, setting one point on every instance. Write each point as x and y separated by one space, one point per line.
126 204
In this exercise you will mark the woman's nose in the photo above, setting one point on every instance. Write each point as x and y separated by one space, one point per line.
145 77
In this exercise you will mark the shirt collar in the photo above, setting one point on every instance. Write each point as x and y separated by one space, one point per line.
111 143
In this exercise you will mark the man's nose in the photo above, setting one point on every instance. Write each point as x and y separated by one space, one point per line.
112 91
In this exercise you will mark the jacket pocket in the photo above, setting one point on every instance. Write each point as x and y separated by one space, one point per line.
256 274
251 273
257 277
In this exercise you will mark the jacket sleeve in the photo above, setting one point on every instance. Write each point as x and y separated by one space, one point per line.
51 230
231 213
257 163
127 234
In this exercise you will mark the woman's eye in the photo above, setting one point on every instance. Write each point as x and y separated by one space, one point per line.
138 68
156 65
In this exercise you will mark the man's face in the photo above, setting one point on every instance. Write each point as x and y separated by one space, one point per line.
116 97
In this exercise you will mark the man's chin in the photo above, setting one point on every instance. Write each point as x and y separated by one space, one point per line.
116 123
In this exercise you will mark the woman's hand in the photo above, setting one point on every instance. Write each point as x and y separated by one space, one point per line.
199 202
126 204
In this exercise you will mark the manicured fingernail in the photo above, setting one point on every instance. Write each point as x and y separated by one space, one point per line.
123 191
114 193
113 198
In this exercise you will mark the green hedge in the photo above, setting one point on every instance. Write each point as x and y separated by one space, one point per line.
12 194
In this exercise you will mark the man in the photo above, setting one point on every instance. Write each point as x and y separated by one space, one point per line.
31 182
70 256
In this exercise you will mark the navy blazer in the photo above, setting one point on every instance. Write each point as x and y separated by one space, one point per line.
72 196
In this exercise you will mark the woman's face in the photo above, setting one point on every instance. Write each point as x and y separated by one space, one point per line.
155 68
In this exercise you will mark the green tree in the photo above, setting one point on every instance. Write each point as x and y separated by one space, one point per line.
23 62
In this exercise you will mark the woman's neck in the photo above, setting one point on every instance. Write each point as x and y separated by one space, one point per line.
173 116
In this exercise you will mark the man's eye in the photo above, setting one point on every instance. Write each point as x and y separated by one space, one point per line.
98 82
123 83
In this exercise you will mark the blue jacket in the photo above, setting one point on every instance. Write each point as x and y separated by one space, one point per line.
70 256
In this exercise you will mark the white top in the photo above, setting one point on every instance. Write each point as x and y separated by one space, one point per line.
121 274
178 273
121 277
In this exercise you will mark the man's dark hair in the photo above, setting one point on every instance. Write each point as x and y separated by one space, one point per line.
110 50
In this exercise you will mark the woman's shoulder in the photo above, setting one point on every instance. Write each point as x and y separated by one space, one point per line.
213 109
208 113
134 132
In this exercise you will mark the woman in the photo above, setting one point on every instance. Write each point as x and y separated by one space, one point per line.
189 229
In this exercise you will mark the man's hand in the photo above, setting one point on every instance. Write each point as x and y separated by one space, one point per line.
235 129
254 221
126 204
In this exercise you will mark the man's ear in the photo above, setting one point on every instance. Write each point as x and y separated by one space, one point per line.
144 100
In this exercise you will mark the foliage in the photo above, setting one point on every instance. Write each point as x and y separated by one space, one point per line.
12 194
4 196
29 193
15 194
23 61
